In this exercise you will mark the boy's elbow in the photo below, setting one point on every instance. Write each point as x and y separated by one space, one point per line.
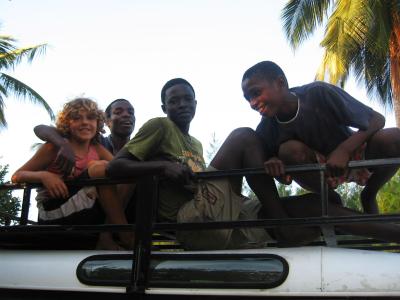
15 178
382 120
112 168
379 120
38 130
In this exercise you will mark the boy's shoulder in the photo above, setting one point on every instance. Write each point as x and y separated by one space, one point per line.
315 86
196 142
158 121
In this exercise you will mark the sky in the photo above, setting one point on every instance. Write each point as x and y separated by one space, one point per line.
128 49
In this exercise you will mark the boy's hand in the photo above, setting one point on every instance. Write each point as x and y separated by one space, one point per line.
65 160
55 185
274 167
337 162
178 172
97 168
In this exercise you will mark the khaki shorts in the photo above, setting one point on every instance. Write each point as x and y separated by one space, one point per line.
216 201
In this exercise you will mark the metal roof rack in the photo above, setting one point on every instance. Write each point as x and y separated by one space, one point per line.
146 223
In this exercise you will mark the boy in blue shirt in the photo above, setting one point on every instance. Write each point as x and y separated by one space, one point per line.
311 123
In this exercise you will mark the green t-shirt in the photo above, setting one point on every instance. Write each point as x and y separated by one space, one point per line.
161 139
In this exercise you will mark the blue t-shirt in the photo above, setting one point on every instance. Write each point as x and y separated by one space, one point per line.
107 143
322 122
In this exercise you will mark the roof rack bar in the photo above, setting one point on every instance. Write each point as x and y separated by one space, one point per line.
300 168
267 223
219 173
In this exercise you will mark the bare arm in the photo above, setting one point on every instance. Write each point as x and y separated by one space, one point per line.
97 168
65 156
103 153
34 170
127 165
339 158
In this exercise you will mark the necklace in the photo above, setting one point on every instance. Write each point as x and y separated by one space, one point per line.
297 112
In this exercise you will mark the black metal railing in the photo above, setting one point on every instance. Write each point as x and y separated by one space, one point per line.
146 213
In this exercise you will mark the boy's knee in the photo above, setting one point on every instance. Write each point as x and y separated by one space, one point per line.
385 143
244 136
243 133
295 152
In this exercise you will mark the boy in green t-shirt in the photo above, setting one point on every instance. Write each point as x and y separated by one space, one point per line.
163 145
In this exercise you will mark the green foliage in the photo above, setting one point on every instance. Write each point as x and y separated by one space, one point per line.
350 194
10 57
8 204
389 196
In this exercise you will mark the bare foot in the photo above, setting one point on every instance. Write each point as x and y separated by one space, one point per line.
106 242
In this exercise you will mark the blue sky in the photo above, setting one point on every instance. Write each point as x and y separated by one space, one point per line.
129 49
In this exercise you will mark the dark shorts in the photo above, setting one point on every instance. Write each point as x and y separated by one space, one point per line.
81 208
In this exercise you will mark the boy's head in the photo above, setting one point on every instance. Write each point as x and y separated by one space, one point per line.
71 110
265 86
178 101
120 118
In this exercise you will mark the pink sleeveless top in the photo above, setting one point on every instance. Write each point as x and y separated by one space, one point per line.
81 163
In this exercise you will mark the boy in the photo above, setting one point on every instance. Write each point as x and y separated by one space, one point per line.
120 118
311 123
164 146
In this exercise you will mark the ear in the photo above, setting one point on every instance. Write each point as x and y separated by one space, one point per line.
163 108
108 123
281 82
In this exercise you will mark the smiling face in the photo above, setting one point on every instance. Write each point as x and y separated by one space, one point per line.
82 125
265 96
180 105
122 119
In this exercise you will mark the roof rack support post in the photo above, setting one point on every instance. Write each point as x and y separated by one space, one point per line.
25 206
323 193
328 231
147 196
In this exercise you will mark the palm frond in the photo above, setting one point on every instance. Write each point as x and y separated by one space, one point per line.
36 146
21 90
350 42
332 68
6 44
3 122
301 18
12 58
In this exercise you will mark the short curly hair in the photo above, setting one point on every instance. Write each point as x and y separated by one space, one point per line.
72 107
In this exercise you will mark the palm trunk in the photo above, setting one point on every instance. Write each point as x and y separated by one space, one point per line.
394 49
396 108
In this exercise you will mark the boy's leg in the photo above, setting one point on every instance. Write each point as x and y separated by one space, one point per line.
294 152
243 149
383 144
114 212
111 205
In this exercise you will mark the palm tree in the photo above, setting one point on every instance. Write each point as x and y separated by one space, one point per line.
10 56
362 37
